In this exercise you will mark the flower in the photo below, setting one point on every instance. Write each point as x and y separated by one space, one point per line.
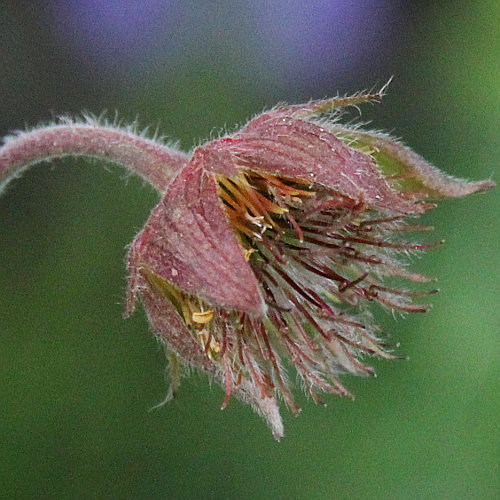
269 245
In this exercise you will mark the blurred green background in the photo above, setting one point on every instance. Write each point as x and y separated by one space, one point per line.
77 381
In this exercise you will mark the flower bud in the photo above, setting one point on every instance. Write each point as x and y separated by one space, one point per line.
269 245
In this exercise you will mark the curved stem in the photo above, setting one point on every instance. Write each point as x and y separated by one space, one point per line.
156 163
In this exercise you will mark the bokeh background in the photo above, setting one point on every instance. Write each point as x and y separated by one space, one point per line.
77 382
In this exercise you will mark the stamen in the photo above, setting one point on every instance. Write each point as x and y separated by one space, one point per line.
370 295
228 377
287 396
353 283
385 244
405 293
224 339
297 228
295 286
321 270
303 333
309 318
248 253
256 376
202 317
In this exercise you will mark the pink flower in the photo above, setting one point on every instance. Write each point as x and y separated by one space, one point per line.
269 245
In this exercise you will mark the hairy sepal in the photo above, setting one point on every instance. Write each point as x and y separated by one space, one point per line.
188 241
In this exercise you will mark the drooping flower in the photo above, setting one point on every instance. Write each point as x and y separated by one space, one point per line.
269 245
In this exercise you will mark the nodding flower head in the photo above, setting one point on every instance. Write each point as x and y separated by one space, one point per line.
270 246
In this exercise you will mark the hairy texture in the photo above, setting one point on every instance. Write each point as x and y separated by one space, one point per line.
189 242
390 153
155 163
270 245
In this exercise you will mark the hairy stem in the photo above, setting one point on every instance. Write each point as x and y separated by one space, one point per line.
156 163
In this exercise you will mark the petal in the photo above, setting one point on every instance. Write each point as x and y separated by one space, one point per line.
266 407
170 328
188 241
417 174
168 325
296 149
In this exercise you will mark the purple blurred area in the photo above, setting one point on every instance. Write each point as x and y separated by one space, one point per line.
114 35
315 39
297 40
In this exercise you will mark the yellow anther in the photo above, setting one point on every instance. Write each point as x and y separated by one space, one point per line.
249 252
202 317
214 347
210 345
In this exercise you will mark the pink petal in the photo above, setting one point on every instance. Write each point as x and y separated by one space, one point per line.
168 325
277 144
424 177
188 241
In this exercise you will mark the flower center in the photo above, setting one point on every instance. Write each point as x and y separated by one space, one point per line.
320 258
